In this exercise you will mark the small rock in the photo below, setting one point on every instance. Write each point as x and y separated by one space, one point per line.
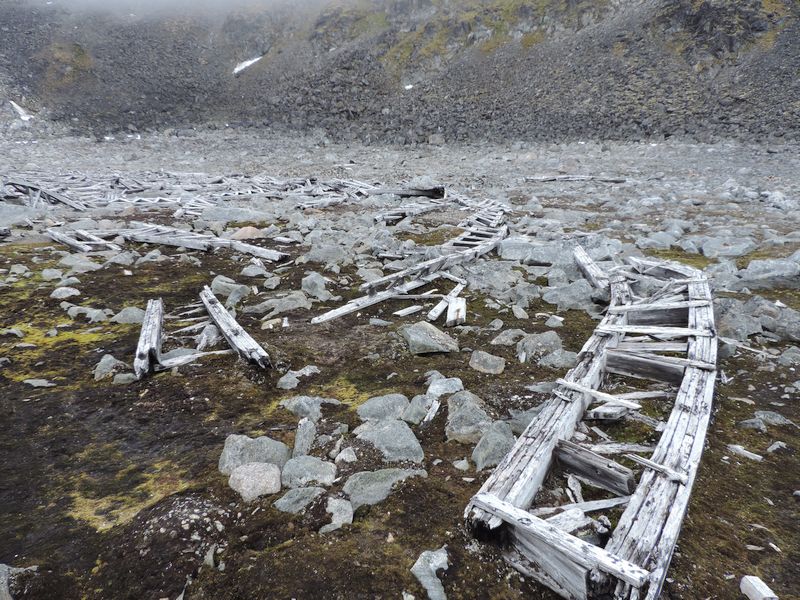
756 424
39 383
417 409
770 417
509 337
425 571
444 386
371 487
537 344
348 455
390 406
240 450
292 378
52 274
305 470
130 315
304 437
467 421
308 406
62 293
462 464
755 589
424 338
554 322
313 285
560 359
107 367
341 512
393 438
297 499
487 363
777 447
252 480
124 379
493 446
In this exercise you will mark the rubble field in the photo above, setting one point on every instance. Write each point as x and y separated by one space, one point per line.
337 461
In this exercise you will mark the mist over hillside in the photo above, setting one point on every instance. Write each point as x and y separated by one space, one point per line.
403 70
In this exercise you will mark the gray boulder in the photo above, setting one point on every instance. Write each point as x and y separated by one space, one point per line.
107 367
240 450
51 274
304 437
493 446
520 419
62 293
371 487
425 568
444 386
770 273
276 306
390 406
424 338
291 379
509 337
487 363
560 359
393 438
308 406
575 296
467 420
252 480
130 315
341 512
313 284
417 409
296 500
537 344
305 470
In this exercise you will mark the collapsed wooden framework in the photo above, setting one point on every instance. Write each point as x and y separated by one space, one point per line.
148 356
483 230
637 338
149 233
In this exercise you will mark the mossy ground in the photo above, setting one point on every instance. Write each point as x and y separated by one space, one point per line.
88 464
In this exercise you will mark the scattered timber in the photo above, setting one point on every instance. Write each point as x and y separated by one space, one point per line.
148 351
237 338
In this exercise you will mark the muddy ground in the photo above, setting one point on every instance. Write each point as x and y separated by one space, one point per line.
113 490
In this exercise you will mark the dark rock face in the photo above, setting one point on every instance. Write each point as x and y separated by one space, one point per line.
409 72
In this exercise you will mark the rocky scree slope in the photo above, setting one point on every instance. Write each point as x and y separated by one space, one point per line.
405 70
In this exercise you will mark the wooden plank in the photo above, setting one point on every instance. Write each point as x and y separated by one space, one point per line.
590 506
62 238
148 350
598 395
456 312
553 569
632 365
596 469
676 361
367 301
237 338
580 552
660 332
593 273
97 240
671 474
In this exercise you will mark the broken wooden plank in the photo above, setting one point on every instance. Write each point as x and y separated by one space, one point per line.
598 395
50 196
659 332
596 469
456 312
179 361
671 474
97 240
237 338
593 273
575 549
437 310
366 301
62 238
148 350
633 365
590 506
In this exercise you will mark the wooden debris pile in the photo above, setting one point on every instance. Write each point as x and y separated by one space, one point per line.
637 338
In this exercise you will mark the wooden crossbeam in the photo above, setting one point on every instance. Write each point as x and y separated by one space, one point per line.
237 338
587 555
148 350
598 470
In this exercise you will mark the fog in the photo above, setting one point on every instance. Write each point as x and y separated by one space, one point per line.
155 7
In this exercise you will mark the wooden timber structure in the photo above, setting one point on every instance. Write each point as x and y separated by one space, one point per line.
637 338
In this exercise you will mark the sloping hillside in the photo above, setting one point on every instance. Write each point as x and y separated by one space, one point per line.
402 70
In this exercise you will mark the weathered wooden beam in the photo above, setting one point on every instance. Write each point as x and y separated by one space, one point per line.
437 310
456 312
633 365
148 350
237 338
367 301
659 332
573 548
590 506
599 471
593 273
598 395
62 238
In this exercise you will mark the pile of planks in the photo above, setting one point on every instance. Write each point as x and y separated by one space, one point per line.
637 338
